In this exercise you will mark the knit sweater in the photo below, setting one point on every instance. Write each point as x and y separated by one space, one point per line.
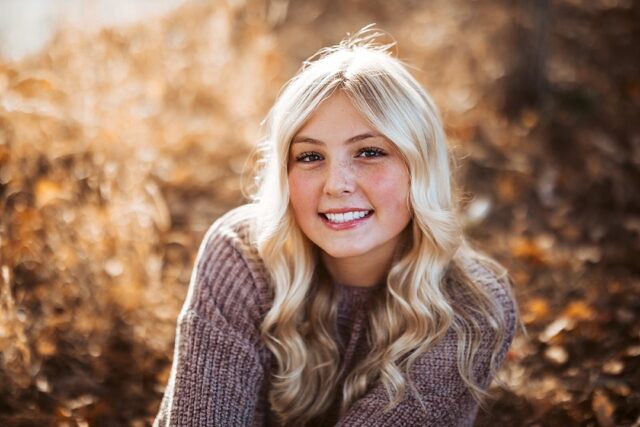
221 368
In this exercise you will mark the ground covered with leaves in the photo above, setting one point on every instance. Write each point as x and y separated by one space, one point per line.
118 149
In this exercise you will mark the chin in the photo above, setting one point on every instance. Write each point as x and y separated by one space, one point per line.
344 252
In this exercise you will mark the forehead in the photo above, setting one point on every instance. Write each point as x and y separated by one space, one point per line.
336 116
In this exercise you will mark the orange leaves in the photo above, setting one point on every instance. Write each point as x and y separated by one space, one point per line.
574 313
530 249
4 153
579 310
613 367
47 191
529 118
603 408
33 87
46 346
7 75
556 354
507 187
535 310
556 327
117 150
14 344
633 351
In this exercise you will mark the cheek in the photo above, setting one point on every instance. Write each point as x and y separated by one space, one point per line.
388 187
301 192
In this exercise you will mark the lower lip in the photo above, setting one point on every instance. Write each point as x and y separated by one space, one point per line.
345 225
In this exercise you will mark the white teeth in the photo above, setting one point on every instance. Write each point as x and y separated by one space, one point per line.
361 214
345 217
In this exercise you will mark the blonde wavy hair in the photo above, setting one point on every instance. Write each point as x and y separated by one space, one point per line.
415 309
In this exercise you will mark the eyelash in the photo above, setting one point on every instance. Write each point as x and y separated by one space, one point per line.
378 152
304 157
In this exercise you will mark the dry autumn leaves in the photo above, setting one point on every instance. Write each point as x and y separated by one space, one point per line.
118 149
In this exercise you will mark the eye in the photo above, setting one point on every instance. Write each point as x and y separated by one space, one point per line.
371 152
308 157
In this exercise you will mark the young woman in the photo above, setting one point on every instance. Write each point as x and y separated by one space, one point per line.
345 293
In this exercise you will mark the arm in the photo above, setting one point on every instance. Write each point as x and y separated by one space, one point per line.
446 399
217 374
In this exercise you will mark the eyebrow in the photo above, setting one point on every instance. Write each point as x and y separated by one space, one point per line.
356 138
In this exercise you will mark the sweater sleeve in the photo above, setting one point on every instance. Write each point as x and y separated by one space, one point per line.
218 369
446 399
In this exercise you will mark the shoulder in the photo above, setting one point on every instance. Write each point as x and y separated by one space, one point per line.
495 279
438 368
233 228
229 240
472 271
229 278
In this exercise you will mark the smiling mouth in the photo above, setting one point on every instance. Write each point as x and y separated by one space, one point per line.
344 217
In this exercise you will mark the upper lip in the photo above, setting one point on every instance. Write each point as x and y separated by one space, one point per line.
344 210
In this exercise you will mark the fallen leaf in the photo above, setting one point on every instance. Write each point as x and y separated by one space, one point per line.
633 351
31 87
523 247
613 367
535 310
47 191
603 408
556 327
556 354
579 310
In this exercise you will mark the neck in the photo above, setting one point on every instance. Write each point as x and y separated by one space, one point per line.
361 271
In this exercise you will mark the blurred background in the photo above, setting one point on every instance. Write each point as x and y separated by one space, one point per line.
125 127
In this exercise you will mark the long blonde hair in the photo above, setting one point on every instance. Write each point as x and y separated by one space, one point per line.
415 309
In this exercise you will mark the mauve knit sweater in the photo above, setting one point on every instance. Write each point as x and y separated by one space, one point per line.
221 368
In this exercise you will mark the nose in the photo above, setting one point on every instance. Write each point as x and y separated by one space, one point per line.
340 179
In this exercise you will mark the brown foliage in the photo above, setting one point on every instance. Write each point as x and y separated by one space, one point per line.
117 150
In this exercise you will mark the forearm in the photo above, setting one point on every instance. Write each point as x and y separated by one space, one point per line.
216 379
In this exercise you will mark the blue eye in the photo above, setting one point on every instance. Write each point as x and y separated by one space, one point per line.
308 157
371 152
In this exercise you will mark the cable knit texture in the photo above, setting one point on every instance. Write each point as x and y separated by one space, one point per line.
221 368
